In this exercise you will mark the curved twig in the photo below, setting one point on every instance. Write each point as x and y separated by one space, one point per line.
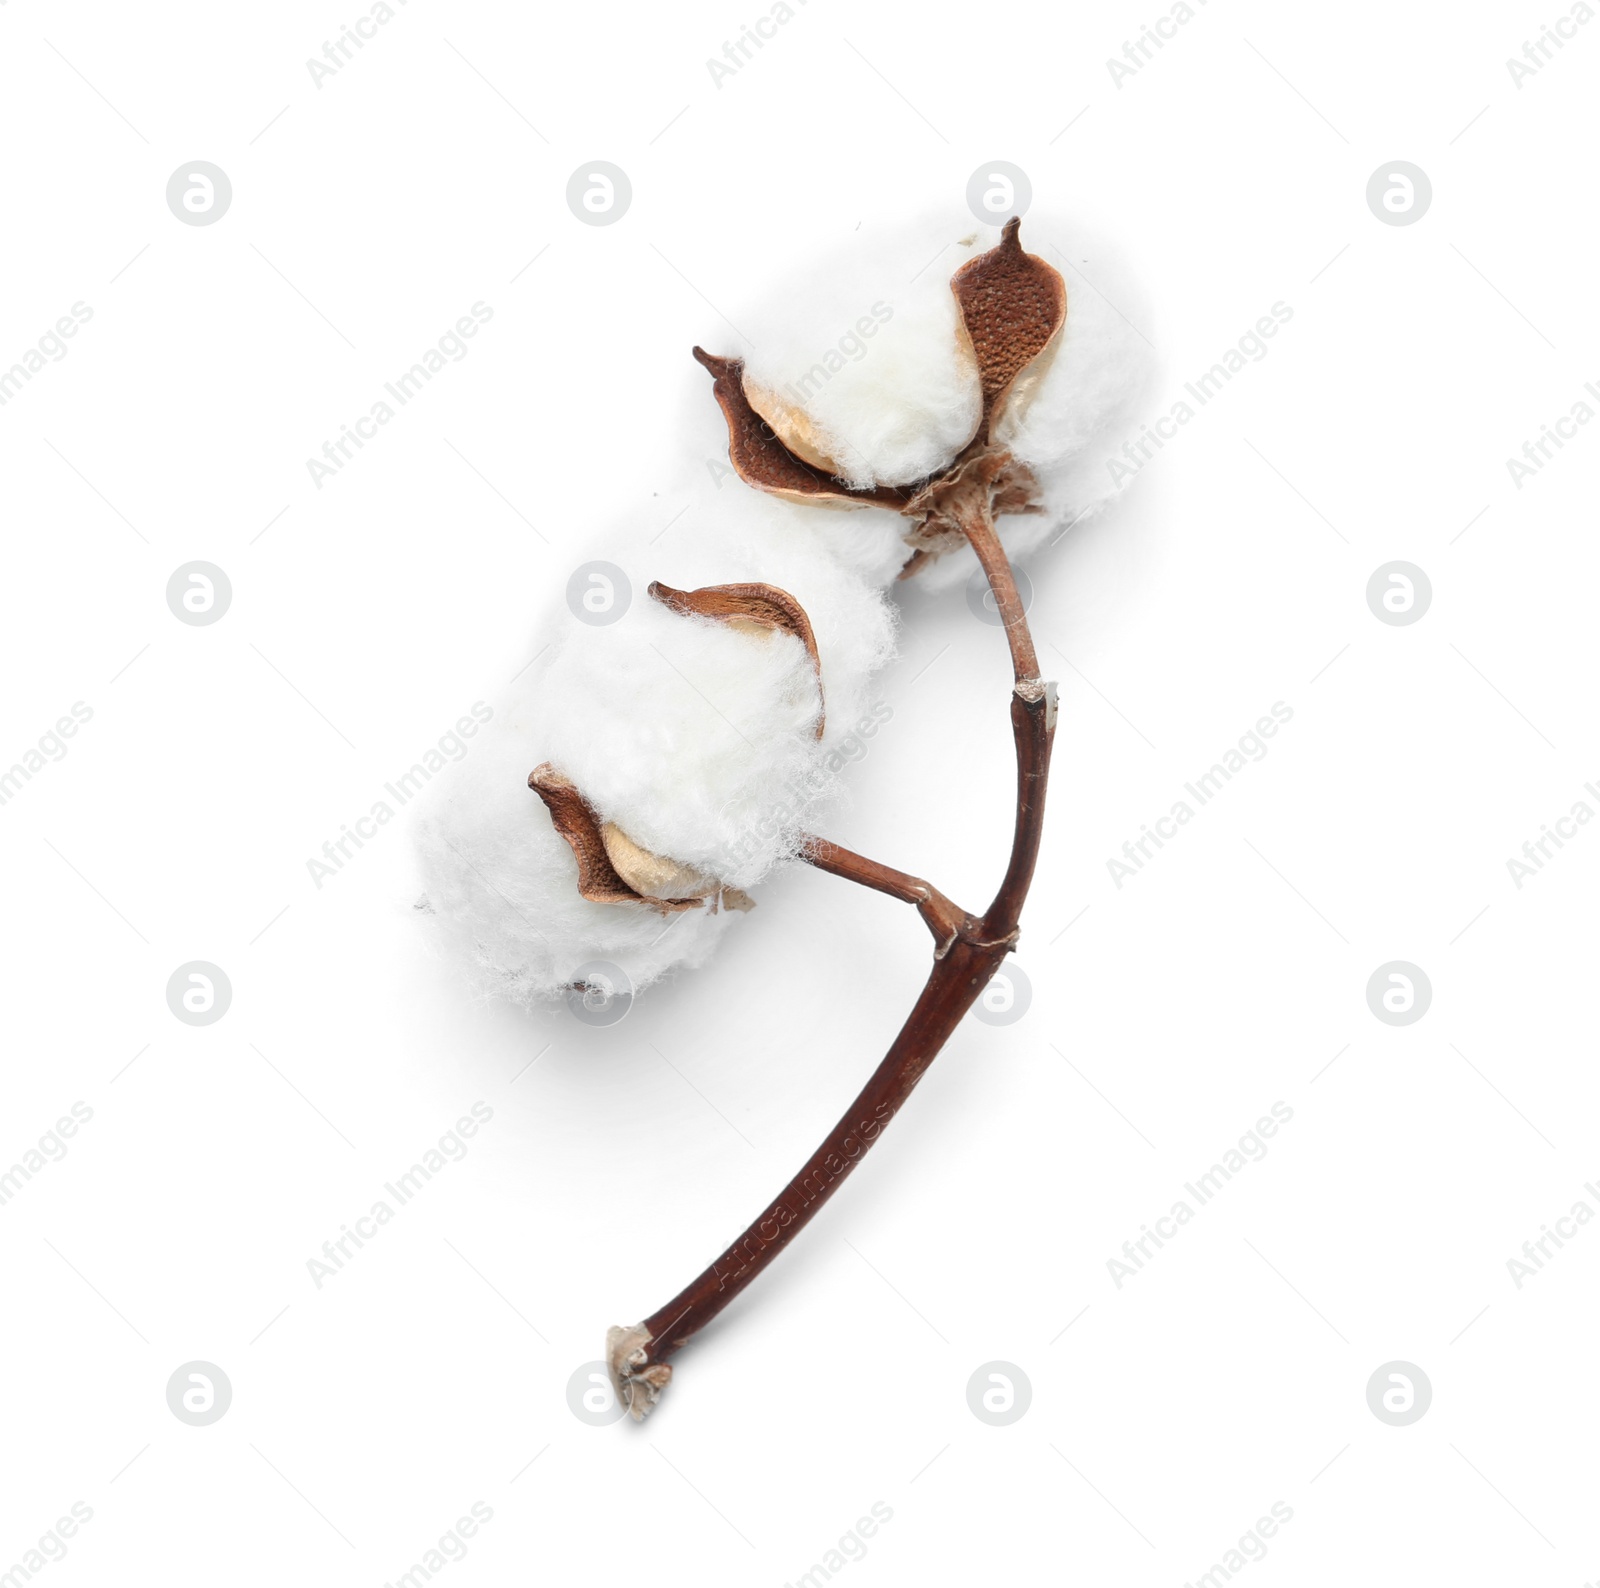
968 952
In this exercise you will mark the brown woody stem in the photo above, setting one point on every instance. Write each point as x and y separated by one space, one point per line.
944 918
968 951
977 524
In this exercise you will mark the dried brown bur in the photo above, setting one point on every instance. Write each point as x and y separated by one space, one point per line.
792 425
756 608
1013 307
613 869
760 459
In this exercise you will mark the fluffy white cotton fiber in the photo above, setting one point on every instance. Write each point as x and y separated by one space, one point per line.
897 405
697 738
504 886
867 348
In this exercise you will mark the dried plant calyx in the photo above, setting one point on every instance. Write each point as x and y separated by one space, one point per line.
760 459
792 425
613 869
757 606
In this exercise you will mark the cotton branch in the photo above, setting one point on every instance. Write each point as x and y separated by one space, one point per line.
1013 306
967 952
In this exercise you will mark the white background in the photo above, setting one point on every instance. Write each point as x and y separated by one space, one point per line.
1167 1015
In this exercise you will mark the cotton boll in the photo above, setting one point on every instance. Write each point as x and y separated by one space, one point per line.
503 884
694 736
685 732
1069 415
626 713
864 351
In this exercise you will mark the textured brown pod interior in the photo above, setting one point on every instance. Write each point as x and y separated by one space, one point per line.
1013 305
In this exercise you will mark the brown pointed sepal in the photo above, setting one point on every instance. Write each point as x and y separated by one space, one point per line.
1013 305
984 480
759 606
576 820
760 459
